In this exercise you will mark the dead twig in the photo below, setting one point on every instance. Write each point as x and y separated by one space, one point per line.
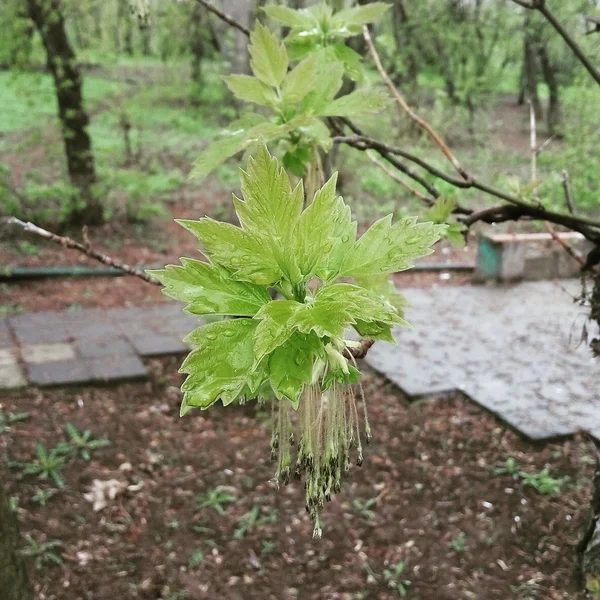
67 242
411 113
383 166
224 17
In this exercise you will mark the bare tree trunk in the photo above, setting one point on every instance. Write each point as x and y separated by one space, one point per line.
14 580
196 42
49 20
402 38
549 74
531 72
146 34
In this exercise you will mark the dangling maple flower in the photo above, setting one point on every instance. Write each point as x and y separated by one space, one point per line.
290 349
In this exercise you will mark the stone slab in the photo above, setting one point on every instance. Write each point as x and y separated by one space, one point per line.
43 353
107 346
6 340
11 373
114 367
68 372
514 350
158 345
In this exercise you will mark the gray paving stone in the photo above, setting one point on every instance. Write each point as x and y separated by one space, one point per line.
6 340
43 353
158 345
95 348
11 373
512 349
66 372
115 367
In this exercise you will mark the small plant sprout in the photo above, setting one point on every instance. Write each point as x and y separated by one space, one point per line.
365 507
7 420
458 543
47 465
216 499
542 481
42 552
41 496
80 443
393 578
295 278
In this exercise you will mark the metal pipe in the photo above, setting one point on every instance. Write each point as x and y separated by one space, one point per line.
12 273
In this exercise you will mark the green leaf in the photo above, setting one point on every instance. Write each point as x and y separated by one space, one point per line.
330 77
291 366
275 326
271 208
358 103
377 330
248 258
387 248
300 81
289 16
313 129
217 153
338 306
351 59
455 234
441 210
359 15
340 376
251 89
210 289
380 284
316 229
222 366
269 57
296 159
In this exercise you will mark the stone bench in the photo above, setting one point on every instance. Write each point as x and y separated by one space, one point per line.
527 256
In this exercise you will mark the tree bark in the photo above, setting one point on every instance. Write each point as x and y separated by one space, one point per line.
49 20
549 74
530 68
196 42
14 580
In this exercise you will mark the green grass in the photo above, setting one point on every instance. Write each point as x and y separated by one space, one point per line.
29 99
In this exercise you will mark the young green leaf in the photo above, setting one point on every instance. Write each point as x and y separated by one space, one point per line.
269 60
291 366
249 258
357 16
387 248
210 289
380 284
456 234
300 80
352 61
290 17
251 89
275 326
222 366
330 77
325 233
358 103
441 210
217 153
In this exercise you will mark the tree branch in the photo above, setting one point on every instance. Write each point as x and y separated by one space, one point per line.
86 249
411 113
224 17
540 5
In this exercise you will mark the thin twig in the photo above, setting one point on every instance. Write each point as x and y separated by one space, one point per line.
540 5
411 113
224 17
383 166
534 153
568 195
67 242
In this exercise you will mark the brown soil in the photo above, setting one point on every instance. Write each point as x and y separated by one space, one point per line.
159 243
430 468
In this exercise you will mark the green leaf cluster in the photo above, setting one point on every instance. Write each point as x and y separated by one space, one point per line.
318 28
441 212
296 102
296 278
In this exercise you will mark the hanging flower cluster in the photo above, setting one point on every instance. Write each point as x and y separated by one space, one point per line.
295 280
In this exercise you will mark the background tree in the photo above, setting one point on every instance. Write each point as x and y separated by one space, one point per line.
49 21
14 580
